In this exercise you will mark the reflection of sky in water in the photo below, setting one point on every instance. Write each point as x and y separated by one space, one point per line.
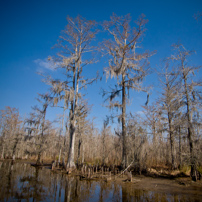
106 195
21 182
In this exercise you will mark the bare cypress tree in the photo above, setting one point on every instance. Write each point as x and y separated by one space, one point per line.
10 131
152 115
104 133
75 43
36 124
45 100
171 104
153 124
137 141
125 64
190 94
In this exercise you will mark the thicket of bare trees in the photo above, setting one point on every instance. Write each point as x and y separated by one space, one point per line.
166 133
11 132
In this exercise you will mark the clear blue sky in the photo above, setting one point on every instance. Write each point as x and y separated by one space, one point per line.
28 30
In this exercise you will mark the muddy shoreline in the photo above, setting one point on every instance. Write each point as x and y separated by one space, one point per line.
177 185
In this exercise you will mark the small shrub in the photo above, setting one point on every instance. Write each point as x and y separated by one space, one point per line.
186 169
199 169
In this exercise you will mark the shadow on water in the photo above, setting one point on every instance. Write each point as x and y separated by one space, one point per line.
22 182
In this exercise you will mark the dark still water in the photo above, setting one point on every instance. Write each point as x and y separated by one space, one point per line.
22 182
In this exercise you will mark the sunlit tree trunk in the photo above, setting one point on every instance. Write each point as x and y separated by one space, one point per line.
73 112
70 162
74 42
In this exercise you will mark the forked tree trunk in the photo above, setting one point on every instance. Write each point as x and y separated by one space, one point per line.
73 112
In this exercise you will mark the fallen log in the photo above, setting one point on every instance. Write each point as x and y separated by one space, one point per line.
126 169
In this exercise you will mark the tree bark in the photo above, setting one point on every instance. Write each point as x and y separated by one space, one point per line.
79 150
180 148
171 141
124 159
2 155
190 128
59 157
38 162
83 157
70 163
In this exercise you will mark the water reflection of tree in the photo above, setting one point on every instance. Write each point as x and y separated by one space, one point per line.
32 187
77 190
116 192
105 189
22 182
5 180
131 194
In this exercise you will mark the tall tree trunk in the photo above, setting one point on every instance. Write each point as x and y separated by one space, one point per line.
103 146
14 149
124 159
190 128
103 154
42 134
62 133
73 112
79 150
70 163
2 155
59 156
180 148
171 141
83 157
38 162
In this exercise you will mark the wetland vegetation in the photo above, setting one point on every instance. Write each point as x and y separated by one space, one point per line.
153 155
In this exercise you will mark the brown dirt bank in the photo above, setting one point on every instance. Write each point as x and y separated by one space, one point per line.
178 186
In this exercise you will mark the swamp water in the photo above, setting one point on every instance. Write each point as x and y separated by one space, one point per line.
22 182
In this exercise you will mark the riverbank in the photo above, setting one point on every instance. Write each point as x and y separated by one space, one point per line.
105 186
178 185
